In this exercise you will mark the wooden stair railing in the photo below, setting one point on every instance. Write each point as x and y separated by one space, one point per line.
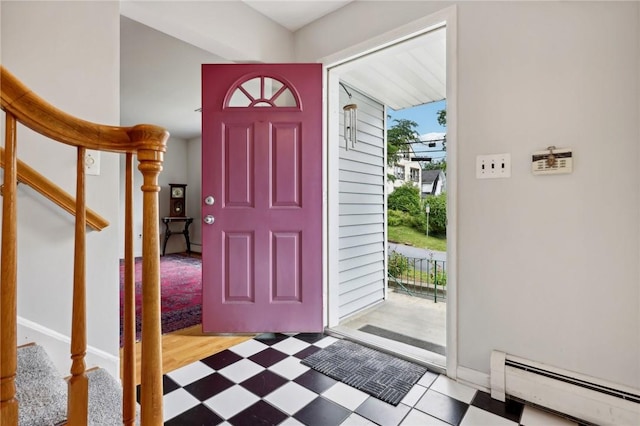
148 143
53 192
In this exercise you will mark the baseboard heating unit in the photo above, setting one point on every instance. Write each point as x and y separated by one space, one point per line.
592 400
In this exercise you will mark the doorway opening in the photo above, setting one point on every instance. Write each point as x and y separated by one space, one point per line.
367 302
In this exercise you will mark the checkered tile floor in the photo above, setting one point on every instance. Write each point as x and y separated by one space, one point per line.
262 381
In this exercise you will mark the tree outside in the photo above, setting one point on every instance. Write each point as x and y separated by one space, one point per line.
405 199
400 137
406 209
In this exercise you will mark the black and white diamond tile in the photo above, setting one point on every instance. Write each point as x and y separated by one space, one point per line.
262 382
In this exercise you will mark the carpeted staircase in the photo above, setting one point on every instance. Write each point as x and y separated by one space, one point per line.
42 392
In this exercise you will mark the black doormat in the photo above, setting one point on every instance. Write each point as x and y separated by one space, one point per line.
380 375
392 335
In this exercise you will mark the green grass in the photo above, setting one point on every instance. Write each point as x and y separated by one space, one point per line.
424 277
411 237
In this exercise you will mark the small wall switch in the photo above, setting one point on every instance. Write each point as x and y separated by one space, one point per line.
493 166
92 162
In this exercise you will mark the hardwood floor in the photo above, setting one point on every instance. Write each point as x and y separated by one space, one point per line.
183 347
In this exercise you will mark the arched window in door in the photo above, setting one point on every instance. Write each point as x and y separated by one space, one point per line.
261 92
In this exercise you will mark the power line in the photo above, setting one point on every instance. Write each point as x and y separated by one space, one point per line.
423 142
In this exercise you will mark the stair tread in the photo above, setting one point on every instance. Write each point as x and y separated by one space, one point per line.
42 392
105 399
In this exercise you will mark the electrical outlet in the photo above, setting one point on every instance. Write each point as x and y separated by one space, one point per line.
493 166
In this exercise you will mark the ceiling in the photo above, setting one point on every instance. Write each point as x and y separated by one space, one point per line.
160 75
404 75
160 79
295 14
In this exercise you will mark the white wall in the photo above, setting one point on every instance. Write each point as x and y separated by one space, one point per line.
75 66
230 29
194 180
352 25
548 266
570 301
174 170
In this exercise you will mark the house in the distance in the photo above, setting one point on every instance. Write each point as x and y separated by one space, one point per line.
408 167
433 182
403 171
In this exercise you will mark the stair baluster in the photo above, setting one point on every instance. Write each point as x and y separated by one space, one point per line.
9 275
129 314
78 400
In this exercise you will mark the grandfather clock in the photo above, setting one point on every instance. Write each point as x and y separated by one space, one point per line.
177 203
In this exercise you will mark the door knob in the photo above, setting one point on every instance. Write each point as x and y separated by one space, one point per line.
209 200
208 219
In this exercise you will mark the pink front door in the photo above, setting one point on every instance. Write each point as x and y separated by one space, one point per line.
262 164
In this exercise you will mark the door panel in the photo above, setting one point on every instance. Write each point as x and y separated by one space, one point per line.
286 167
238 267
262 162
286 266
238 165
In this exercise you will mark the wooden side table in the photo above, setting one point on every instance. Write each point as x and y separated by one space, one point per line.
167 220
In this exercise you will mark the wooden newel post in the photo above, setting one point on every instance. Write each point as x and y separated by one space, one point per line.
150 164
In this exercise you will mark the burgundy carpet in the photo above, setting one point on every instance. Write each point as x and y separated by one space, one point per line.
181 292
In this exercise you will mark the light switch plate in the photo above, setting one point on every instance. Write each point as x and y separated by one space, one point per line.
493 166
92 162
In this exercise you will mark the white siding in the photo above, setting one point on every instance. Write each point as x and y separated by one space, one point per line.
362 216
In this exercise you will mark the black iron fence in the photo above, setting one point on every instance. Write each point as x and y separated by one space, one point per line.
422 277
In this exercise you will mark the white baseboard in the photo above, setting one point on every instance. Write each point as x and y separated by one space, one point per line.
58 347
474 378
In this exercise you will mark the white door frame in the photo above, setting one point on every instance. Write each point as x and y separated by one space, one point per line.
447 18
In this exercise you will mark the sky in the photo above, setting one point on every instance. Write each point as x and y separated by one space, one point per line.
427 118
